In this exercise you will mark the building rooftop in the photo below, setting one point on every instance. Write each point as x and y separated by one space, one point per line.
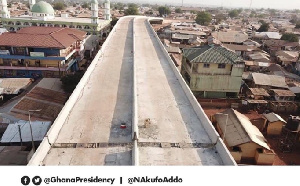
286 93
230 36
42 37
269 35
42 7
211 54
272 117
239 129
13 85
39 130
269 80
241 47
46 95
259 92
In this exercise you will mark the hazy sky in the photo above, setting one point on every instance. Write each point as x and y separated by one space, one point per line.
278 4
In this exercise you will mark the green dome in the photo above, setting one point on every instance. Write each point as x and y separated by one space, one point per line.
94 1
42 7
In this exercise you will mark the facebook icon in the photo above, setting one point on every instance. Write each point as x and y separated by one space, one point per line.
25 180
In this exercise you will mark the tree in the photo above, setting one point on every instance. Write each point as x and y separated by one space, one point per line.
69 82
220 17
234 13
253 13
132 10
272 12
178 10
193 12
290 37
264 27
298 25
203 18
163 10
85 5
59 6
114 21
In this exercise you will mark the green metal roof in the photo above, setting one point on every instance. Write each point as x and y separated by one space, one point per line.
211 54
42 7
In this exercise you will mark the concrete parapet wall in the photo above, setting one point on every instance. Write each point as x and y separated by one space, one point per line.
220 146
135 132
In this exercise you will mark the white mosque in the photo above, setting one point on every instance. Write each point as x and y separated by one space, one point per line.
43 14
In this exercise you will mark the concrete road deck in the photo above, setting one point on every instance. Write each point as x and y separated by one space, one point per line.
162 99
105 103
124 85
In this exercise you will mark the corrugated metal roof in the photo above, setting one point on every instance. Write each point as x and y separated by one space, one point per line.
272 117
295 90
230 36
239 129
211 54
269 80
39 130
13 85
283 92
259 92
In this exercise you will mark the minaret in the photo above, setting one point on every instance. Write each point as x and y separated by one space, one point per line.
31 3
107 9
94 9
4 13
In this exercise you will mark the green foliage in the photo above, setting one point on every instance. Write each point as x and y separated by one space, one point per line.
290 37
85 5
264 27
149 12
193 12
163 10
203 18
219 18
234 13
132 9
59 6
114 21
253 14
178 10
119 6
298 25
69 82
272 11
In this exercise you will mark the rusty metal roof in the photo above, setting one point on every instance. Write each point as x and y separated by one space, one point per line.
239 129
272 117
269 80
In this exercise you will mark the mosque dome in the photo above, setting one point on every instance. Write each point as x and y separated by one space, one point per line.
42 7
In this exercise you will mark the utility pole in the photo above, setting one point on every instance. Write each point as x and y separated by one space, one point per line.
19 127
32 142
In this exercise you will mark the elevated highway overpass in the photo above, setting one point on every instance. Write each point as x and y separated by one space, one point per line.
132 107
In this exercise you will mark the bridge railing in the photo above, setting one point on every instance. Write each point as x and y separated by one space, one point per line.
214 136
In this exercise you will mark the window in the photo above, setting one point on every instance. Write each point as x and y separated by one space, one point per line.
206 65
20 51
221 65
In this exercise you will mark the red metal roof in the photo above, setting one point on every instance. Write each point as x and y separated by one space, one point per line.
42 37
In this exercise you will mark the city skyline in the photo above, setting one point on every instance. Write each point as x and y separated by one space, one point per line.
287 4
